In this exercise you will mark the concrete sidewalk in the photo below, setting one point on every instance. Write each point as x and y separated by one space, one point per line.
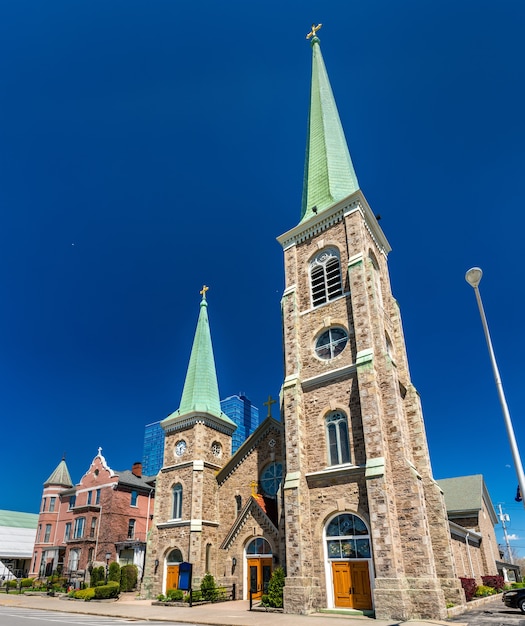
221 614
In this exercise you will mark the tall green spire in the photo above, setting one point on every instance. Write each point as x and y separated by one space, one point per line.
329 175
201 390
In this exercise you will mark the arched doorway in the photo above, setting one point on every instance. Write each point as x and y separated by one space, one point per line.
173 560
347 542
259 566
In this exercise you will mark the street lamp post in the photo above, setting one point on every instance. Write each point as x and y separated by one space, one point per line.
108 556
473 278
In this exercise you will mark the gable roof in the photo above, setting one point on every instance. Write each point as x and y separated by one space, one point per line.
254 507
465 495
248 447
128 478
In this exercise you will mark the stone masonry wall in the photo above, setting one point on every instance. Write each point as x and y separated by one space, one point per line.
393 499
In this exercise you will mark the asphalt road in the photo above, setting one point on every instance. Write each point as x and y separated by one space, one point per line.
14 616
493 614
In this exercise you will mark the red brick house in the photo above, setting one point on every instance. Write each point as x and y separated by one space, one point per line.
105 517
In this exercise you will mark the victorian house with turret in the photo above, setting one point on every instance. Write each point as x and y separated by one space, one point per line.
103 518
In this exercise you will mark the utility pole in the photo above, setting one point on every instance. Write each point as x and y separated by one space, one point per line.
505 518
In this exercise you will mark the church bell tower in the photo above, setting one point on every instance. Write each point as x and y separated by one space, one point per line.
366 525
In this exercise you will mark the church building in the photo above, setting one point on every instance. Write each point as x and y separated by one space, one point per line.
340 492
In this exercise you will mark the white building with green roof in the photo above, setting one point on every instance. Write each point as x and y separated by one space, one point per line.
17 538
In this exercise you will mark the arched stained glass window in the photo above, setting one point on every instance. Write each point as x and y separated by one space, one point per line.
325 277
259 546
337 436
347 537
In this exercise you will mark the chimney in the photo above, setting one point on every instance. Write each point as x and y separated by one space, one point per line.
136 470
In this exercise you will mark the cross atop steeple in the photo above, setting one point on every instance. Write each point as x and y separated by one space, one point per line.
203 291
314 30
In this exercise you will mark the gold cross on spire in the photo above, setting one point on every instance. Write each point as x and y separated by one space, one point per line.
314 30
203 291
269 405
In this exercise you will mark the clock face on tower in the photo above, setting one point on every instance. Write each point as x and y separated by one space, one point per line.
180 447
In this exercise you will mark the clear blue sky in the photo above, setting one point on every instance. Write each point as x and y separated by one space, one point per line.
147 148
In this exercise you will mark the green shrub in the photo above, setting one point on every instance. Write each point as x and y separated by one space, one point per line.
27 582
484 590
84 594
275 588
12 584
161 597
196 596
209 588
128 577
174 595
104 592
114 572
98 574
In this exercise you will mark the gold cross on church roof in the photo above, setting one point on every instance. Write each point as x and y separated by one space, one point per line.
203 291
314 30
269 405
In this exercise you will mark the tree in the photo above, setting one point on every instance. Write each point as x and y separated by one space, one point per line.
275 588
209 588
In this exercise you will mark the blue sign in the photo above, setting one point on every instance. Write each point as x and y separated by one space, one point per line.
185 571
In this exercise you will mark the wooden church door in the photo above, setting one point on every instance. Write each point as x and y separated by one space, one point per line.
351 584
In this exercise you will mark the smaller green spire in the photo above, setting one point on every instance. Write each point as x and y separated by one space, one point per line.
201 390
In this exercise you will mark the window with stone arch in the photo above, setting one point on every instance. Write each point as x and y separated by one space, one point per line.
259 546
325 277
337 438
177 501
174 557
347 537
376 277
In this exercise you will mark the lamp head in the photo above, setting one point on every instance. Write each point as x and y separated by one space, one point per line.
473 276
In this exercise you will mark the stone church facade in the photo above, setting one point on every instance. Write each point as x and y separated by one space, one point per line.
340 492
